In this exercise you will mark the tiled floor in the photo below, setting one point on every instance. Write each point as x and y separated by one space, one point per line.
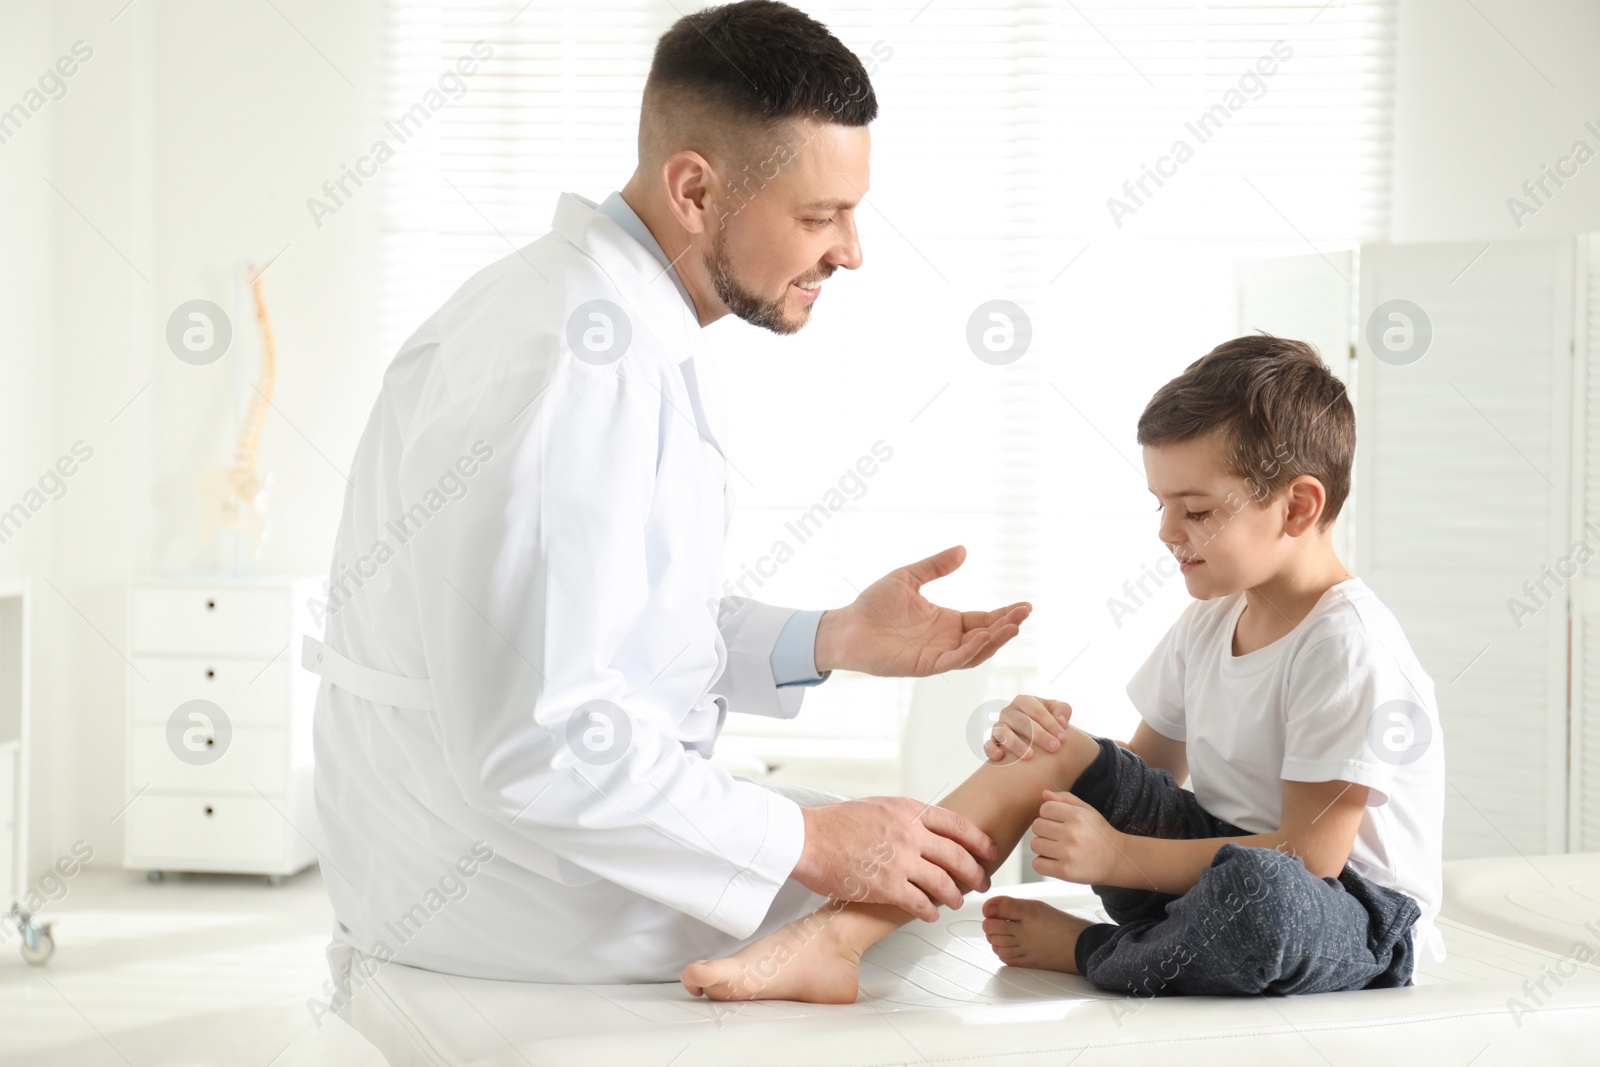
195 970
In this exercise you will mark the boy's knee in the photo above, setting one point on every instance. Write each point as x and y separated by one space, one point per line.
1077 752
1084 747
1250 863
1086 764
1253 890
1078 744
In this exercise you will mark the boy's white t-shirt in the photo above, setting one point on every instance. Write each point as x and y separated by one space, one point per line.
1339 698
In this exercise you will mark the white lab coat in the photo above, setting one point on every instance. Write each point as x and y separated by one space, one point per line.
576 555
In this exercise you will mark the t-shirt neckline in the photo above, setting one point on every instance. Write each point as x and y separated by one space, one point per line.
1269 653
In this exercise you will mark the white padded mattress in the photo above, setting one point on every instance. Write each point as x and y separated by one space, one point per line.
936 994
1549 901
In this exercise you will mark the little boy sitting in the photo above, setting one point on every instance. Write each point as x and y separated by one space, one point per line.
1307 857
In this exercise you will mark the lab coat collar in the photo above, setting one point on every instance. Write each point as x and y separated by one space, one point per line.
618 210
651 298
652 301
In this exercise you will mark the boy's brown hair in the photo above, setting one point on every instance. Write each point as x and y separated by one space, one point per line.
1280 411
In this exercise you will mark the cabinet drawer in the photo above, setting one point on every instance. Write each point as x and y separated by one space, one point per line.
219 620
252 692
206 833
255 759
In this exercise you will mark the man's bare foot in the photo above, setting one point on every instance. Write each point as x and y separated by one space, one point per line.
812 959
1030 933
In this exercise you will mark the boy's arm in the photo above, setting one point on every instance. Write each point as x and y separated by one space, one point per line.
1160 752
1075 843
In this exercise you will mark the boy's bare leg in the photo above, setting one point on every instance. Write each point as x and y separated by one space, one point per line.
818 958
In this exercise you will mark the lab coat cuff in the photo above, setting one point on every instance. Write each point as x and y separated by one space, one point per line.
750 630
749 895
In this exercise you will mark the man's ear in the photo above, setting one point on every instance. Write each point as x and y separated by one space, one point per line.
690 180
1307 499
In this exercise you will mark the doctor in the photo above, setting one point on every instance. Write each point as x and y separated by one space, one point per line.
527 662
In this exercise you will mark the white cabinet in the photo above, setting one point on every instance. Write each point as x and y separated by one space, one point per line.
8 821
219 727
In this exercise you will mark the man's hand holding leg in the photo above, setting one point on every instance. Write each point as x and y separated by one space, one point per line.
894 850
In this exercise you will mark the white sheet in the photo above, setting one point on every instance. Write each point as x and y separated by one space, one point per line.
936 994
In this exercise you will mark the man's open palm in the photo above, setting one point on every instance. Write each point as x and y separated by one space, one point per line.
891 629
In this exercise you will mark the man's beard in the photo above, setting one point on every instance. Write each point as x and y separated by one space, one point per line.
768 314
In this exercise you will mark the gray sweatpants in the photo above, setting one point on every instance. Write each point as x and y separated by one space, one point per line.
1257 921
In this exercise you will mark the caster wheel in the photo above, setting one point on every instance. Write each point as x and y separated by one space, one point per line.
152 876
38 949
274 879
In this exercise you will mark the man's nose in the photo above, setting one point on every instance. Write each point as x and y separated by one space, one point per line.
847 252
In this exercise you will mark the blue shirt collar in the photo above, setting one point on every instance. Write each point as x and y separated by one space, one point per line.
617 210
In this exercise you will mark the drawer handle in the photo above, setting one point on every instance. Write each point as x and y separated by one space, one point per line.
209 809
210 673
211 605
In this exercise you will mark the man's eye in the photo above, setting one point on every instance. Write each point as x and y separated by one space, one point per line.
818 222
1196 516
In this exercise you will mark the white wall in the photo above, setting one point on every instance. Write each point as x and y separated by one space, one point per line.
102 243
1484 102
249 122
29 443
25 288
187 146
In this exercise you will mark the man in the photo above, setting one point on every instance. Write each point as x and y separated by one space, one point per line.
539 669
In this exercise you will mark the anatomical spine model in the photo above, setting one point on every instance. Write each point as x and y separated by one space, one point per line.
234 496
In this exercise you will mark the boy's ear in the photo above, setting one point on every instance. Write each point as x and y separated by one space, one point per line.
1306 501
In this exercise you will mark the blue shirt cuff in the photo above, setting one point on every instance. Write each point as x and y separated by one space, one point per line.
794 655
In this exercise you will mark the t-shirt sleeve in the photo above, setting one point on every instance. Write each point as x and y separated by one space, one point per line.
1156 688
1351 714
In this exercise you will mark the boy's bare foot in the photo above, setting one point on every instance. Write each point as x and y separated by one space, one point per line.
811 959
1030 933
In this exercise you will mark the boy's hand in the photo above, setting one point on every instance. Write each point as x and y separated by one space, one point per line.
1024 722
1075 843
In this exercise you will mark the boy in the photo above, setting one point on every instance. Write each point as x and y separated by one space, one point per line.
1307 858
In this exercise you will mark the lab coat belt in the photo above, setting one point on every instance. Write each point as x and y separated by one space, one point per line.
380 687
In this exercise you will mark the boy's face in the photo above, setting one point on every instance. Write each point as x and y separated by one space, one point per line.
1224 541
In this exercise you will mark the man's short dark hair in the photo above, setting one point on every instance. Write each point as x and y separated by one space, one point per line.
1280 411
757 64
